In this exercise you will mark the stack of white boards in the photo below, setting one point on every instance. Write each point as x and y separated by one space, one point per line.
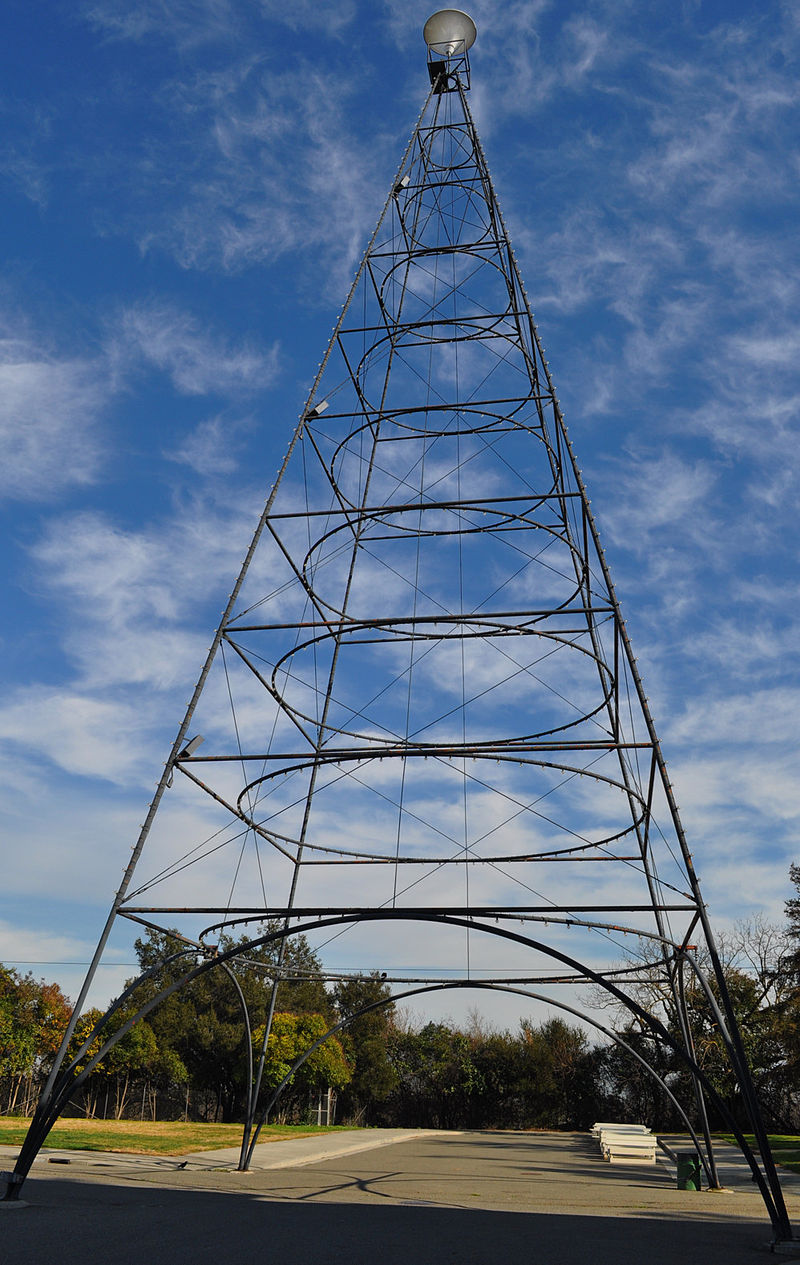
625 1143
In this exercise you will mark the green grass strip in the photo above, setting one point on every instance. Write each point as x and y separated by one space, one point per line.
785 1147
147 1138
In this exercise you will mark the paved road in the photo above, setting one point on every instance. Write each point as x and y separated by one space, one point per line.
431 1199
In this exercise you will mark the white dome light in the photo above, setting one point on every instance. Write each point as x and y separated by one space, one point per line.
449 31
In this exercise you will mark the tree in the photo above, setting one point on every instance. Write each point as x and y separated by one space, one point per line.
33 1018
130 1060
793 914
365 1040
17 1036
559 1077
754 958
290 1037
201 1026
790 1003
81 1034
624 1090
437 1077
497 1058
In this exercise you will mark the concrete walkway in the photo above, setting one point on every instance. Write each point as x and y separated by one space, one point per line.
295 1151
281 1153
412 1198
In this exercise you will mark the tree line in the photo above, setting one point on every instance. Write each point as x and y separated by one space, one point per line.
187 1058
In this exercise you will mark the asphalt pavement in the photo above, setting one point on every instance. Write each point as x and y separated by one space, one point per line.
386 1197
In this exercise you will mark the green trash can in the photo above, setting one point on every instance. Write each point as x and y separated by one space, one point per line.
689 1171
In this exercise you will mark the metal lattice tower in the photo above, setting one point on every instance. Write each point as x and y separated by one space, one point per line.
425 734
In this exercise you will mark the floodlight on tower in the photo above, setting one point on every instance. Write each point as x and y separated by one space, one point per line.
449 35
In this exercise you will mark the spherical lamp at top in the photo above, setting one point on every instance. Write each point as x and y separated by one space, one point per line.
449 31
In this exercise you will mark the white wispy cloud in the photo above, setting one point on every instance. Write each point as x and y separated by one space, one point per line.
738 720
255 158
28 175
706 142
756 650
135 624
213 446
663 490
80 734
27 128
55 407
331 19
281 170
199 362
592 42
50 407
42 951
27 944
187 22
190 23
306 181
133 598
773 349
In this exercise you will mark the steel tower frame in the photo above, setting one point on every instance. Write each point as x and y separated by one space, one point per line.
421 705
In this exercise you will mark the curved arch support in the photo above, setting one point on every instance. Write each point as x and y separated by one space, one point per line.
770 1190
487 987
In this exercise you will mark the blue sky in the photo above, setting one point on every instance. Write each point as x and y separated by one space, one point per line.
187 189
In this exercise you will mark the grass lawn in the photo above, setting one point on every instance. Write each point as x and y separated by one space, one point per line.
146 1138
785 1148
